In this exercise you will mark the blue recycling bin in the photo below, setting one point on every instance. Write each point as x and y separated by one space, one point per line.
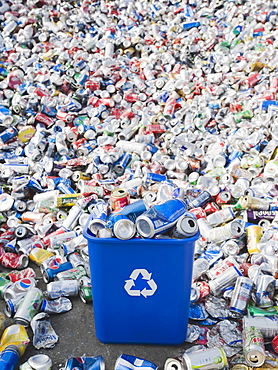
140 288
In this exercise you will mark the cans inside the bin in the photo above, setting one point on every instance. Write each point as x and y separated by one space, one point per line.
141 288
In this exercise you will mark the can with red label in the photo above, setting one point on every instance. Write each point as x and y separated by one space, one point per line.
119 198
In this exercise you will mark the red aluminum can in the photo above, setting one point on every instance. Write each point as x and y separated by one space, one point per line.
223 197
244 267
119 198
14 261
199 212
18 275
274 343
46 239
6 237
204 289
64 116
40 92
43 118
211 208
155 129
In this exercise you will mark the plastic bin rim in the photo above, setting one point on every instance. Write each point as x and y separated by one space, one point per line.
90 236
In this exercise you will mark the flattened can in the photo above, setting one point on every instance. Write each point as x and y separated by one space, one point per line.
241 294
76 363
62 288
253 346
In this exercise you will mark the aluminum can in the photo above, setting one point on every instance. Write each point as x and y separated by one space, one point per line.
123 227
4 285
40 362
252 203
230 248
274 343
201 200
71 274
220 217
241 295
198 212
75 259
268 326
231 230
8 134
17 335
253 346
19 288
50 272
185 227
154 177
265 288
254 234
84 363
29 307
99 220
125 362
85 289
259 217
223 197
160 218
119 198
225 280
206 359
9 357
222 266
62 288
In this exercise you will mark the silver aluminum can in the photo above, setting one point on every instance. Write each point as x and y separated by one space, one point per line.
206 359
29 307
223 281
253 346
124 228
185 227
241 295
62 288
231 230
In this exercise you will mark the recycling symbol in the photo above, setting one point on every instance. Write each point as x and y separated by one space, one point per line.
130 283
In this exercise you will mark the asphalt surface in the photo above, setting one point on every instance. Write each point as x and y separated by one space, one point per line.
77 338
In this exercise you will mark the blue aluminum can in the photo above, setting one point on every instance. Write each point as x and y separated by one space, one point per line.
9 358
50 272
154 177
201 200
85 363
125 362
99 213
160 218
8 134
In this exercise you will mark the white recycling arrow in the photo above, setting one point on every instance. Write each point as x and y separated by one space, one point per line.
146 276
128 285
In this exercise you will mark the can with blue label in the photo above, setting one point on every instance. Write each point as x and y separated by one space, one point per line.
50 272
241 295
160 218
9 358
84 363
201 200
99 220
128 362
8 134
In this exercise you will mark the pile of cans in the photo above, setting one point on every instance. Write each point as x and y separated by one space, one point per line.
150 119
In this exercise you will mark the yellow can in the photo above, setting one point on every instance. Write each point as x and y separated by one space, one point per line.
38 255
17 335
254 234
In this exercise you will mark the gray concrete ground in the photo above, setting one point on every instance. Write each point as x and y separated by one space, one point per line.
77 338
